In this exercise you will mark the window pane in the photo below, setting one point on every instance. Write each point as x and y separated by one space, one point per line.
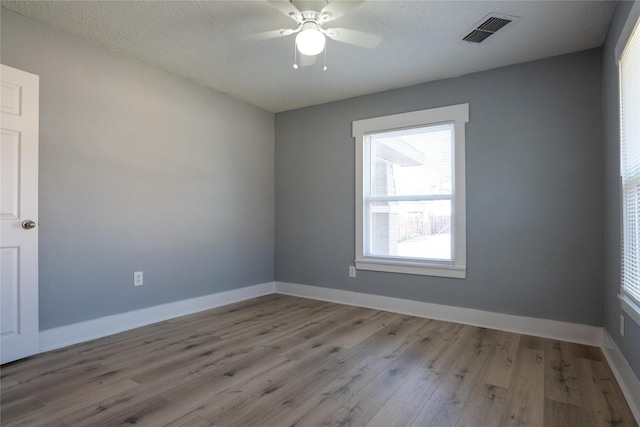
415 161
410 229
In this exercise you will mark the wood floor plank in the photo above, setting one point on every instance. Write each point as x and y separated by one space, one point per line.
391 341
222 368
363 406
277 391
295 323
498 369
406 403
57 406
436 413
23 412
561 381
610 390
453 344
564 414
419 355
40 364
302 386
279 360
132 407
486 403
188 420
458 372
598 386
365 329
53 382
586 352
6 384
314 411
465 368
338 326
525 403
233 376
533 343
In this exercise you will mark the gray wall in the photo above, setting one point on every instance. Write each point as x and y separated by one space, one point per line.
140 170
629 344
534 191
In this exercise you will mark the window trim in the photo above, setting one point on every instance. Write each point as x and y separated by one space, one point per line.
632 24
459 116
630 307
627 31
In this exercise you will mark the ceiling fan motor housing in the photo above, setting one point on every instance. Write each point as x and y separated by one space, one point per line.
309 5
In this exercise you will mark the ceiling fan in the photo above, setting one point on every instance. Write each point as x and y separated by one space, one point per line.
310 15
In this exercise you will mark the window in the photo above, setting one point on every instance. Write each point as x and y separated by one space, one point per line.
410 186
629 67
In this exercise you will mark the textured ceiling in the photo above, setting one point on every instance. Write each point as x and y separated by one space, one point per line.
202 40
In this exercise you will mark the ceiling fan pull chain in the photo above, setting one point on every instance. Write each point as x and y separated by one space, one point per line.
325 59
295 56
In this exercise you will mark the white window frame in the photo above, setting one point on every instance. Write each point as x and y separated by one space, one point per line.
628 305
459 116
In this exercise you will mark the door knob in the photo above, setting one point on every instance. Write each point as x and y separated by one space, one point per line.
28 224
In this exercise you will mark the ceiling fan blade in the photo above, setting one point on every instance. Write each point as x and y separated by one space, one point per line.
287 8
336 8
267 35
354 37
306 60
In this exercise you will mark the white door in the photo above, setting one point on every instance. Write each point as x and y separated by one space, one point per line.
18 214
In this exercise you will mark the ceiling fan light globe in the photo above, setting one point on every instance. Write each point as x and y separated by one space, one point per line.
310 42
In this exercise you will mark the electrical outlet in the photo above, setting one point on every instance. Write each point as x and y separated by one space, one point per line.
137 278
352 271
621 325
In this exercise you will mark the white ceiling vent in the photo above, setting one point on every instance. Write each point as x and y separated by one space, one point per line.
487 27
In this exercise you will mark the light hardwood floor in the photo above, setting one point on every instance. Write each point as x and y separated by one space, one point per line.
286 361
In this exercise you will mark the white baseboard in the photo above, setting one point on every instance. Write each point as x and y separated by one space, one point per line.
565 331
96 328
63 336
629 383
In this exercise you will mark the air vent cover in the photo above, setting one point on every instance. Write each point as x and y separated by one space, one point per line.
487 27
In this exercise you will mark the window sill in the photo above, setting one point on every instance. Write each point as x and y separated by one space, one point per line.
630 307
455 272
